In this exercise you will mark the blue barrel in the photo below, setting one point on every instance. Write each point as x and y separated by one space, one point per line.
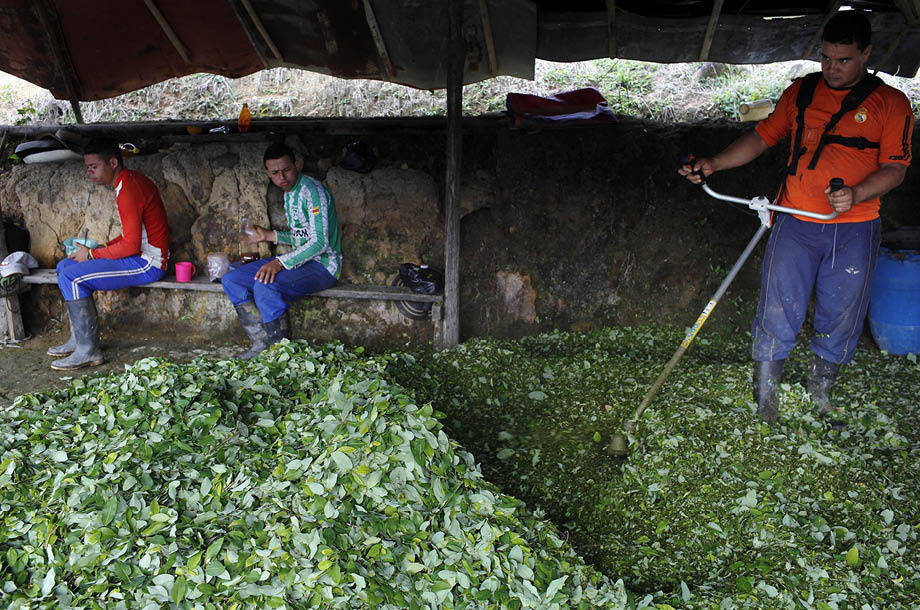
894 300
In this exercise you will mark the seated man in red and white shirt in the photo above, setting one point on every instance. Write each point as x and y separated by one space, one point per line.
137 256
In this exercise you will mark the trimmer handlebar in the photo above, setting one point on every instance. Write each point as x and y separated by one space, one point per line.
760 204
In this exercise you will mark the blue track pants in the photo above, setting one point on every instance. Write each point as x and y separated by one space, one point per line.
80 280
272 299
836 262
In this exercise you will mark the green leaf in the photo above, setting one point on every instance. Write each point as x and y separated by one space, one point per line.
179 589
213 549
192 564
853 556
109 510
48 582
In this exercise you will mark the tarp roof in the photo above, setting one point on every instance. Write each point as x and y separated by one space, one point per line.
91 50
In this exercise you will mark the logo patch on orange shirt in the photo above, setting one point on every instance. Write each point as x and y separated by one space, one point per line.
861 114
315 210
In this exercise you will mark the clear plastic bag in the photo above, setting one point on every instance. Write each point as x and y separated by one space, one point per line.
218 265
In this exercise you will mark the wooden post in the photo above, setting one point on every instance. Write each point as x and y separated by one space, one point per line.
487 34
456 60
379 41
180 48
48 15
612 29
11 314
711 30
832 10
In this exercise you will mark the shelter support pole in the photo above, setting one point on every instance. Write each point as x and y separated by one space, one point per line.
257 21
612 28
832 10
248 30
378 39
48 15
11 317
487 34
181 49
77 113
891 48
456 60
910 9
711 30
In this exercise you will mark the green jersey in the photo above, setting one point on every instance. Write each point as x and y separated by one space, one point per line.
315 234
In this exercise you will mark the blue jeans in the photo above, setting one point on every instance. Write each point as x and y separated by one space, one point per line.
272 299
836 262
80 280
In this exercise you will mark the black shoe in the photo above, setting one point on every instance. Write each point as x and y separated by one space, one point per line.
767 376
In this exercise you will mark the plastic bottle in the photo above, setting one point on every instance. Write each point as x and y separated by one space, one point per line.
245 121
248 250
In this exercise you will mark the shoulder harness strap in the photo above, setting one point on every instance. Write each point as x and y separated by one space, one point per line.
802 101
851 102
853 99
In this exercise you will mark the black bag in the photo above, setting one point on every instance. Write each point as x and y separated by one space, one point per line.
358 157
423 280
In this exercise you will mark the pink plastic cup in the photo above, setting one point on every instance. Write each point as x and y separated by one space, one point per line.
185 272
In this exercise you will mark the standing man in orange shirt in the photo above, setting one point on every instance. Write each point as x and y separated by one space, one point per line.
137 256
845 123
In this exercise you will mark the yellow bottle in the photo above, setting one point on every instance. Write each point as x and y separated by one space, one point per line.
245 121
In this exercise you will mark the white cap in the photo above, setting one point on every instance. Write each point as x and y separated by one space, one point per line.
17 262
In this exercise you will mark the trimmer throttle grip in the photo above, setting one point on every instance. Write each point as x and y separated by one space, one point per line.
687 160
836 184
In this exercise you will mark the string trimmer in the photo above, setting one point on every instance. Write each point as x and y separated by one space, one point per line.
618 442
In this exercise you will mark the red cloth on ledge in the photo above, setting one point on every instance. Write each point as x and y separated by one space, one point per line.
579 106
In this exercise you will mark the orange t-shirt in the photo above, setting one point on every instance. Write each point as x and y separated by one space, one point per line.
884 117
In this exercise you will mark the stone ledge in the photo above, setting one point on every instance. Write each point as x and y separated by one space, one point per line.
341 291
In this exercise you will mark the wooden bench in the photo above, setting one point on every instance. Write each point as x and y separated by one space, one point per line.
340 291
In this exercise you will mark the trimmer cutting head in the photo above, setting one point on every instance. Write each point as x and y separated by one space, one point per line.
618 446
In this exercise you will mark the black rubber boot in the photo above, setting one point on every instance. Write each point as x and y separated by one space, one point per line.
767 376
251 320
84 325
278 329
821 378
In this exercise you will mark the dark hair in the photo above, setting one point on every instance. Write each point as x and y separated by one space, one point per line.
847 27
106 149
276 151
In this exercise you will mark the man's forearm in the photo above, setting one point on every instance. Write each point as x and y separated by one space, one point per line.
743 150
879 182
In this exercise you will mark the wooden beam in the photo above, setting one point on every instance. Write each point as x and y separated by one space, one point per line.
891 48
78 115
487 34
181 49
11 313
48 15
378 40
456 60
910 9
817 37
250 34
711 29
257 21
612 28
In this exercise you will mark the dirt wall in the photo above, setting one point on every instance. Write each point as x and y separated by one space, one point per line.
565 228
